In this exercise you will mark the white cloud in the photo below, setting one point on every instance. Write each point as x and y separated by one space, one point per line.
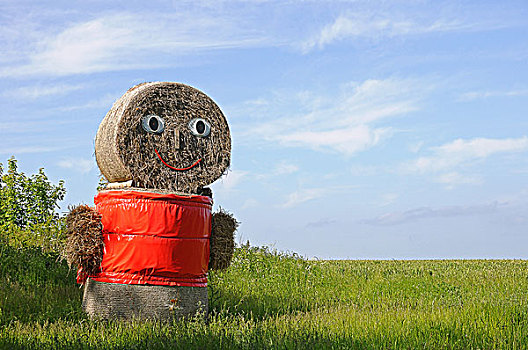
126 41
365 170
454 178
445 162
103 101
374 99
250 203
282 168
303 195
80 165
37 91
23 126
463 152
324 222
367 25
30 149
347 141
39 41
285 168
228 182
474 95
483 147
343 122
388 198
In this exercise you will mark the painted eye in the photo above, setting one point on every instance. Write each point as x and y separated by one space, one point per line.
199 127
153 124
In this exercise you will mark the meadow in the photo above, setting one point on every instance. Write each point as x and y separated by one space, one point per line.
268 299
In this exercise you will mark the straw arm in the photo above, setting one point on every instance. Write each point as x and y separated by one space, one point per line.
84 239
222 243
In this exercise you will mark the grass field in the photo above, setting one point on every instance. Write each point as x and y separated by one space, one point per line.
273 300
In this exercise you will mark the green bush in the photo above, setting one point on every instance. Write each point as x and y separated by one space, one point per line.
28 204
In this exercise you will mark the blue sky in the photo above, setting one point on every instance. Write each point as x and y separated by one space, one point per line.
361 129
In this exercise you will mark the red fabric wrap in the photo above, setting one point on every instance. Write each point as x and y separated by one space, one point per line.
152 238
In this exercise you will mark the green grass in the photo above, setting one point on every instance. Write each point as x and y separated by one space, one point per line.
272 300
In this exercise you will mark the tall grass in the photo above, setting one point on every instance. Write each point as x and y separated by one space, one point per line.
272 300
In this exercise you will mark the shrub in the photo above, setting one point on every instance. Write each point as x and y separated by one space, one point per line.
28 206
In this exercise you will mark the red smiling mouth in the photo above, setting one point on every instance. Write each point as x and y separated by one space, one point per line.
178 169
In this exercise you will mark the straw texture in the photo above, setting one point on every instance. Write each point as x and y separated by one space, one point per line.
222 243
135 301
84 239
125 151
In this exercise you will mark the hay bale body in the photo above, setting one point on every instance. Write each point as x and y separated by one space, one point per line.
124 151
135 301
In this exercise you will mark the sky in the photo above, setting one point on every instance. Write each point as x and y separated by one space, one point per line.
360 129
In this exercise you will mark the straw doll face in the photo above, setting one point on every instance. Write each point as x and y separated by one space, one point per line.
170 136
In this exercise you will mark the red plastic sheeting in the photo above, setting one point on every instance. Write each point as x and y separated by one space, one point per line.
152 238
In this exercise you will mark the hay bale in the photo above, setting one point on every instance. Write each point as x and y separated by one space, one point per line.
137 301
222 242
84 240
125 151
175 154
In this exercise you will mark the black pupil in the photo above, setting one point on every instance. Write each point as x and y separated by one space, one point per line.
153 123
200 126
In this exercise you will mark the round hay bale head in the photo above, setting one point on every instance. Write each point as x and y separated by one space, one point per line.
133 301
164 135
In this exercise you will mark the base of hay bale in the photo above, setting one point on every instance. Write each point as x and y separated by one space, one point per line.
133 301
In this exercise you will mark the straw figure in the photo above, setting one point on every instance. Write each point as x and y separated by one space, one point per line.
145 249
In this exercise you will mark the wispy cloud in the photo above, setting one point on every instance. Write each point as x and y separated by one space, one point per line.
250 203
302 196
285 168
104 101
474 95
229 182
366 170
80 165
386 25
37 91
345 122
392 21
282 168
124 41
347 141
20 125
324 222
388 198
462 152
453 178
447 164
30 149
401 217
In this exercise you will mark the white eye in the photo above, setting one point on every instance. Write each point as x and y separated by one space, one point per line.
199 127
153 124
